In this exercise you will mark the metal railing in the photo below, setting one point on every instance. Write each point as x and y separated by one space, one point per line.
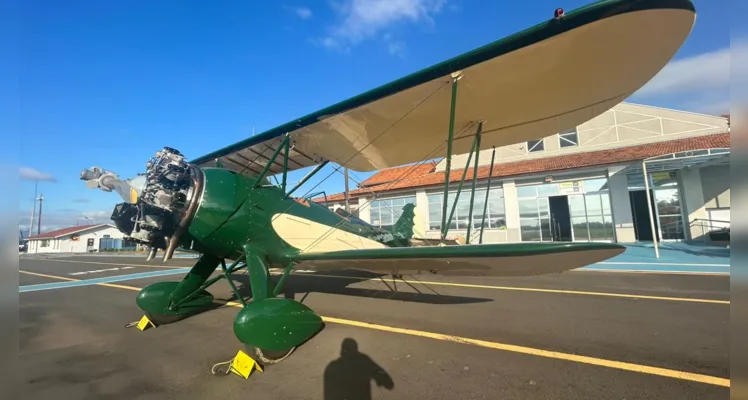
707 226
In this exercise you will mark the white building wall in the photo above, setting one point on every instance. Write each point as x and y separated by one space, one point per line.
715 183
623 219
626 124
35 246
421 219
66 245
511 210
364 203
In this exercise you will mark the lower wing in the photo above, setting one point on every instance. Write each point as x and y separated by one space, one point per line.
520 259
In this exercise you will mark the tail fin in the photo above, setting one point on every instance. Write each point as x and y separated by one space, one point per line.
402 230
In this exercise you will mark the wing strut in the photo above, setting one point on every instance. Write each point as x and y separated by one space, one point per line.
271 160
475 178
474 149
308 176
455 78
485 203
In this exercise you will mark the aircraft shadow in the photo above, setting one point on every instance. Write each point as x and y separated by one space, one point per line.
321 282
350 376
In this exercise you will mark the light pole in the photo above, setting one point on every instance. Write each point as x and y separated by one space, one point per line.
39 221
33 209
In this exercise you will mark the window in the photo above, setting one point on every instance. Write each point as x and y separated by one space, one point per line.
589 209
599 217
385 212
45 243
535 145
534 219
568 138
495 215
669 211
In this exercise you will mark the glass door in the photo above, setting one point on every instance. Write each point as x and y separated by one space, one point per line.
579 228
535 222
666 189
591 217
668 213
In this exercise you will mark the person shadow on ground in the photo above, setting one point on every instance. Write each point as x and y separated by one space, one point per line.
349 377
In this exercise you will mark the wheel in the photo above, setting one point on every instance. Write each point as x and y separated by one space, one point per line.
269 357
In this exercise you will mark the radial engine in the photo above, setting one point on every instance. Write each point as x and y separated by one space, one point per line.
159 204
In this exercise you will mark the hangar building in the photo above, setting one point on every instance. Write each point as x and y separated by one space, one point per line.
585 184
76 239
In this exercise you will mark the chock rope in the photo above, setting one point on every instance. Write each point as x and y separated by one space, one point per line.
216 366
131 324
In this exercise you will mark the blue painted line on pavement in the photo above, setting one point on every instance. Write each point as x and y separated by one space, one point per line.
680 268
107 279
663 263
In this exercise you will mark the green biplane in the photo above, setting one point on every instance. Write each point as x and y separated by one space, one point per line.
540 81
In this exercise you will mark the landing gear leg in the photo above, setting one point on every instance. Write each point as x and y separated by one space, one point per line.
271 328
168 302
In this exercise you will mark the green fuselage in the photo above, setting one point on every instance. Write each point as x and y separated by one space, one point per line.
233 213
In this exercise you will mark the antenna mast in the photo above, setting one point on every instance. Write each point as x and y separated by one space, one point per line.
33 209
39 221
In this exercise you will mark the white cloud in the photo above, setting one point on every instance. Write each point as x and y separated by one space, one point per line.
301 12
705 71
31 174
396 48
364 19
702 72
699 83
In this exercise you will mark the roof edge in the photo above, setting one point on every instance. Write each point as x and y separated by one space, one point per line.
83 229
602 164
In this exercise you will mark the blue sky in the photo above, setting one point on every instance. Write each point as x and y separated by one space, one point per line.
109 83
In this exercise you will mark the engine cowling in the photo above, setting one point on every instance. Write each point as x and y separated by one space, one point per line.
165 205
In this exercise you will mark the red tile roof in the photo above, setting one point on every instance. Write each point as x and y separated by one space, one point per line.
65 231
341 196
396 173
389 180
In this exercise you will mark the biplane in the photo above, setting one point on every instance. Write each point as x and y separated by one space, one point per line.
223 205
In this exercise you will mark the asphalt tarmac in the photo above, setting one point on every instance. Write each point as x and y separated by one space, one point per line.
577 335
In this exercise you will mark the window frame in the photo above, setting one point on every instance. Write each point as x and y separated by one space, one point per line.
534 148
394 213
457 218
563 138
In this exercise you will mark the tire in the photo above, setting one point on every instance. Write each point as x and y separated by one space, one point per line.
159 319
269 357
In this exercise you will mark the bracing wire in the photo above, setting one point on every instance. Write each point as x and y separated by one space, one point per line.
403 176
366 146
410 170
330 230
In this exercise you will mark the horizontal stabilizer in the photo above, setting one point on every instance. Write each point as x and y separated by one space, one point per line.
515 259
